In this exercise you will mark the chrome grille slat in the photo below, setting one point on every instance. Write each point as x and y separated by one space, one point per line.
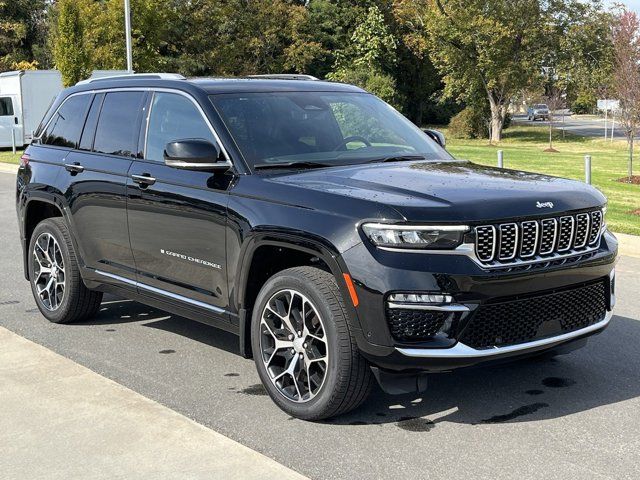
530 234
549 235
543 240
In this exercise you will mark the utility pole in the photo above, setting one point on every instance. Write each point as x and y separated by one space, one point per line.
127 27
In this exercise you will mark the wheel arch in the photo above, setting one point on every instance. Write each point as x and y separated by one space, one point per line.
265 255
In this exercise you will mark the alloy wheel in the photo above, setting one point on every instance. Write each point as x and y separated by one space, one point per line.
293 345
49 273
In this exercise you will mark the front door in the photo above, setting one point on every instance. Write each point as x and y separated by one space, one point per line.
177 218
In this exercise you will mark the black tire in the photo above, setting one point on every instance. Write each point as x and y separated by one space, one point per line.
348 379
78 303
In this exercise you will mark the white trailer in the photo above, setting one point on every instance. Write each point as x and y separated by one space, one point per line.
25 96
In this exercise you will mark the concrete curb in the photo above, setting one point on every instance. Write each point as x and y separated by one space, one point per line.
60 420
8 167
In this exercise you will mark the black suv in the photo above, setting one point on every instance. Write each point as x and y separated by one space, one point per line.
339 242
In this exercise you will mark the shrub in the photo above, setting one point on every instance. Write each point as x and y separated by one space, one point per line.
469 123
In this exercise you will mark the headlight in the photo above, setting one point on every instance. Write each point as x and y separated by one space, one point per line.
440 237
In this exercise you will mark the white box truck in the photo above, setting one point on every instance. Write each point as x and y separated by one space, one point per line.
25 96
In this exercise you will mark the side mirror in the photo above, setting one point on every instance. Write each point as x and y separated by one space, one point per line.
194 154
437 136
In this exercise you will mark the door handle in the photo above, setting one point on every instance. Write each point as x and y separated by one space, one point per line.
74 167
143 180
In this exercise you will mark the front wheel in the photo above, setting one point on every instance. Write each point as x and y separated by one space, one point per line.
303 346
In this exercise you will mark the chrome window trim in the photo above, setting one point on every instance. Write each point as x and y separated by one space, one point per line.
159 291
229 163
535 241
460 350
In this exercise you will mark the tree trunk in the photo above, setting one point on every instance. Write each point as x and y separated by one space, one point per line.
497 119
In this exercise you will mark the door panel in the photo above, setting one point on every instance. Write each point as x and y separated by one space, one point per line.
9 121
177 231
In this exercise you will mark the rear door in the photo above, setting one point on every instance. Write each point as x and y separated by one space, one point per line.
96 175
9 121
177 218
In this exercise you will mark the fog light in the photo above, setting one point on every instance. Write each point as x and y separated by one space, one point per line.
420 298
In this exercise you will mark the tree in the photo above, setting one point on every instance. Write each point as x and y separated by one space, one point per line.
626 75
69 51
478 46
369 57
20 25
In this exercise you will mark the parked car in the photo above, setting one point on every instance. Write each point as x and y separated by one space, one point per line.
538 111
342 244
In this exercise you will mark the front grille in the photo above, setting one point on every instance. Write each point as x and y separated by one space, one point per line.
414 325
523 320
537 240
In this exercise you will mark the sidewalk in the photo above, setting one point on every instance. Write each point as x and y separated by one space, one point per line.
59 420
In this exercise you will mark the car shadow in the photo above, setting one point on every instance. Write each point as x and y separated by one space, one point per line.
605 371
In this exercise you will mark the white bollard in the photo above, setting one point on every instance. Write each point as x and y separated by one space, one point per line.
13 140
587 169
500 159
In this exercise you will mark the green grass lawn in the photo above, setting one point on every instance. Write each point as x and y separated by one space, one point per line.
7 156
523 150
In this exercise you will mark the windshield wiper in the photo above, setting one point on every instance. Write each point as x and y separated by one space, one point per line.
299 164
397 158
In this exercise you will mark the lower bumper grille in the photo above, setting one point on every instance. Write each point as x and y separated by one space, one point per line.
524 320
414 325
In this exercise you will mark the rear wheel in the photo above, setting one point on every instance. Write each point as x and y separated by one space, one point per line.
54 275
304 349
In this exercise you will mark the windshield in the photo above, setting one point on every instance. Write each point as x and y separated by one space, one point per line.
332 128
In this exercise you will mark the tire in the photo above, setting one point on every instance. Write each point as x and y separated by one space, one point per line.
347 378
67 299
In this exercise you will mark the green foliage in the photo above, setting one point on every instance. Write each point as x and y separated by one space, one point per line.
20 31
371 53
69 51
585 102
470 123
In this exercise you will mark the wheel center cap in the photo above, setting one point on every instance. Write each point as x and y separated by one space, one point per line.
298 344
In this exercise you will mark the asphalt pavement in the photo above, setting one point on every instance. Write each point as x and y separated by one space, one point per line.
576 416
585 126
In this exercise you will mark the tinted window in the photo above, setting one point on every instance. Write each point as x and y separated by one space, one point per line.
117 132
66 124
173 117
6 107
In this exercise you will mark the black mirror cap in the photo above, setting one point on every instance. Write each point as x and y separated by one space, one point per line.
437 136
194 154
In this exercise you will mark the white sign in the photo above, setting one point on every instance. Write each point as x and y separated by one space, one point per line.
608 104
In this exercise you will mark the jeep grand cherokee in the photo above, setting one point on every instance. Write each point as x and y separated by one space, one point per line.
342 244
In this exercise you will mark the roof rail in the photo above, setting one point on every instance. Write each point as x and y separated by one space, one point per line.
284 76
137 76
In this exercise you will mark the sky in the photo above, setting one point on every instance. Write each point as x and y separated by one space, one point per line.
631 4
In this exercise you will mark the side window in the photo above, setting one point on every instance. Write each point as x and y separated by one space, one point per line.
116 133
6 107
173 117
66 124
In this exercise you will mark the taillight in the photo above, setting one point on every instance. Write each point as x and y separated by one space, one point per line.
24 160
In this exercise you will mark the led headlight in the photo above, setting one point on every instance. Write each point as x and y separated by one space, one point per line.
436 237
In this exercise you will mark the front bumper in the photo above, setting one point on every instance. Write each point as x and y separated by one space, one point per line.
377 273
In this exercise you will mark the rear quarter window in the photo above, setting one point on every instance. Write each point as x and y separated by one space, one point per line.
118 126
66 124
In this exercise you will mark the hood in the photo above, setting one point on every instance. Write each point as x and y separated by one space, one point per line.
449 191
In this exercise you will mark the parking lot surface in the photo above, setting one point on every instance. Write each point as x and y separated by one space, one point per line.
577 416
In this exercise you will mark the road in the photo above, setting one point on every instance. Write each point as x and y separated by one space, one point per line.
578 125
577 416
